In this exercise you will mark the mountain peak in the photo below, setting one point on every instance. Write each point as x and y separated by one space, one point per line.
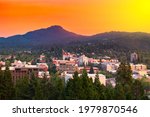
56 27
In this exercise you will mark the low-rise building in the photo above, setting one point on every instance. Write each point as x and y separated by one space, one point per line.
87 68
109 66
83 60
102 78
21 72
139 70
138 67
65 65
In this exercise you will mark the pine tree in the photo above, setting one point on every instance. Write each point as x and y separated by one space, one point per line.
124 74
109 92
8 87
32 85
1 84
22 91
87 85
138 90
57 91
128 91
98 89
119 92
91 70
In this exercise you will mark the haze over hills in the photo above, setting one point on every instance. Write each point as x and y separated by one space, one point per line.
56 35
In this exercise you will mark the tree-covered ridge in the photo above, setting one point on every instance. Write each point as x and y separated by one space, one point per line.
79 88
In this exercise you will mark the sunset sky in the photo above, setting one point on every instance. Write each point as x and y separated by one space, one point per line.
80 16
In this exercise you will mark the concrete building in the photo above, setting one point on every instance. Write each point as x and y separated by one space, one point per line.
25 71
87 68
102 78
21 69
65 65
138 70
138 67
83 60
110 67
93 61
42 66
42 58
67 55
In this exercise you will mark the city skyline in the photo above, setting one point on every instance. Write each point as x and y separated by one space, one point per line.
85 17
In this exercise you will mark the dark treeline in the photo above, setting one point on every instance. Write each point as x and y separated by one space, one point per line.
78 88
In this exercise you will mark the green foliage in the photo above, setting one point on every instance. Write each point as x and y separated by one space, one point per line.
119 92
6 85
107 74
79 88
91 70
138 90
22 89
124 74
57 89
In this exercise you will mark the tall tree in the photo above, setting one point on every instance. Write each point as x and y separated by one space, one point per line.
74 88
7 85
91 70
99 89
138 90
124 74
22 91
87 85
119 92
2 93
57 92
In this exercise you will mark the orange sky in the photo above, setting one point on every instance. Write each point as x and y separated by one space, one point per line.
80 16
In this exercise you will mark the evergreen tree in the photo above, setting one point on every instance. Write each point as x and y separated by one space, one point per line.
74 88
119 92
39 94
22 91
58 87
138 90
91 70
46 87
109 93
2 93
87 85
124 74
69 90
32 85
128 91
99 89
53 69
8 87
